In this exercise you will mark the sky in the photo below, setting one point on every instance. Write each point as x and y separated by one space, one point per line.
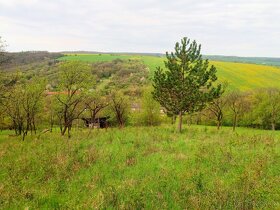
223 27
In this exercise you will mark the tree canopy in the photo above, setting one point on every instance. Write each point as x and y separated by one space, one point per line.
75 79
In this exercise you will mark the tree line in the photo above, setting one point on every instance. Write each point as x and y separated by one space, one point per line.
27 104
258 108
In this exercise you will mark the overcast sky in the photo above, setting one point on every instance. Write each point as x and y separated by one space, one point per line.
224 27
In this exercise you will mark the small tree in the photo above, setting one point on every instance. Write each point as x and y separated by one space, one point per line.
187 83
14 109
120 107
22 105
216 107
238 105
94 103
75 78
32 103
52 112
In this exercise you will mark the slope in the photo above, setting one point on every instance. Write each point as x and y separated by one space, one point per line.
239 75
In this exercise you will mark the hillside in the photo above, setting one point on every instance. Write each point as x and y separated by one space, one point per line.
141 168
239 75
254 60
271 61
244 76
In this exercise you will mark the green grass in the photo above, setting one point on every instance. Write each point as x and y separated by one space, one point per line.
94 57
151 61
142 167
248 76
239 75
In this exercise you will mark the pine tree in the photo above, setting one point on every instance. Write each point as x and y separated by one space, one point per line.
187 83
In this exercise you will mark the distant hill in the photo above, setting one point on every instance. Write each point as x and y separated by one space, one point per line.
240 72
239 75
255 60
111 53
28 57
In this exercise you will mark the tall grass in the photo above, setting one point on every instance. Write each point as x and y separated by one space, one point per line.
133 168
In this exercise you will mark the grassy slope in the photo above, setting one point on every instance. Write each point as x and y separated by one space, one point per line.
135 168
239 75
246 76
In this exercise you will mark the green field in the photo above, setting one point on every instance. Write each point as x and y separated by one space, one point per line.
142 167
238 75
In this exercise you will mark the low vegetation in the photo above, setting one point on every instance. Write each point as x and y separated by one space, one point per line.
142 167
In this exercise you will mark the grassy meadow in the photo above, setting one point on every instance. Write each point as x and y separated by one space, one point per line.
239 75
141 167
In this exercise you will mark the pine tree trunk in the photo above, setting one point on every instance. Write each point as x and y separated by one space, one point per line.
273 126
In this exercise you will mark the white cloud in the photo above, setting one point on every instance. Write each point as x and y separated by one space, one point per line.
248 28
